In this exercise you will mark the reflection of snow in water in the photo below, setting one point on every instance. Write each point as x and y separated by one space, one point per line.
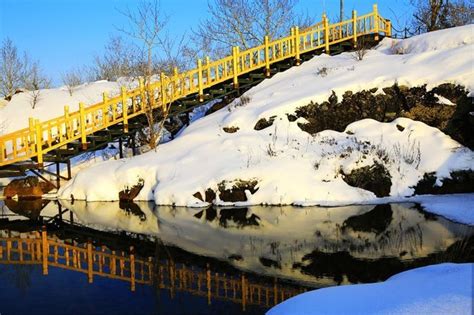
270 240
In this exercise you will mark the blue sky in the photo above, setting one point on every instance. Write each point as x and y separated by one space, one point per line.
62 34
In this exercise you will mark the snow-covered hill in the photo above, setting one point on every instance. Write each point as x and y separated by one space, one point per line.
286 165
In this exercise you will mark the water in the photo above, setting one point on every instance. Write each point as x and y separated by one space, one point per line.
137 258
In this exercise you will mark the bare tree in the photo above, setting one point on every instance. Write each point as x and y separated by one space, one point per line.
12 69
35 81
244 23
72 79
432 15
120 59
145 25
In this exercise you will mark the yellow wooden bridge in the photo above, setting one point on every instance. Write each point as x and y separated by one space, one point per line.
208 79
48 251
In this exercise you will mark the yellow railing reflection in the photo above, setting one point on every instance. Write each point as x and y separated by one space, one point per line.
49 251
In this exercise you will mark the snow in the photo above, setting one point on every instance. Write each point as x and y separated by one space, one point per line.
291 166
458 207
438 289
14 116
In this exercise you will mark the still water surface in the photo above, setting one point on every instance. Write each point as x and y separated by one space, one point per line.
137 258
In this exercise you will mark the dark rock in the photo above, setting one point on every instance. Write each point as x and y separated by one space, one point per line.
375 178
264 123
460 182
210 195
237 192
129 193
231 129
27 188
461 125
416 103
198 196
291 117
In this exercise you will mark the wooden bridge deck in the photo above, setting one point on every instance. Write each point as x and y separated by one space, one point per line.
94 126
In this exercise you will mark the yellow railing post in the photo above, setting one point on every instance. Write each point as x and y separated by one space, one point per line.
31 124
90 263
208 71
297 45
132 269
326 33
200 85
45 250
266 40
235 65
175 83
82 116
388 33
66 122
163 90
105 113
39 142
141 86
354 27
124 109
376 22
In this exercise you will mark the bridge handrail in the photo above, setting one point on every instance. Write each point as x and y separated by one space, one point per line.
42 137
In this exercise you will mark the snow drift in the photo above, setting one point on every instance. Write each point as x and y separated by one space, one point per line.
437 289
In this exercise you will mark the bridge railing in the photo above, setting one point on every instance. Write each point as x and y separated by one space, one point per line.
42 137
36 248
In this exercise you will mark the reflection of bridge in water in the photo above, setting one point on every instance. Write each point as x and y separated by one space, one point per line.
39 248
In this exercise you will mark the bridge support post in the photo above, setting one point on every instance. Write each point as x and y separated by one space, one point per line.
124 109
376 22
120 148
266 40
235 65
354 27
326 34
39 143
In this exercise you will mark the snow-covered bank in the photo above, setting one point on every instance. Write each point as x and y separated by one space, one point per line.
289 165
458 207
438 289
